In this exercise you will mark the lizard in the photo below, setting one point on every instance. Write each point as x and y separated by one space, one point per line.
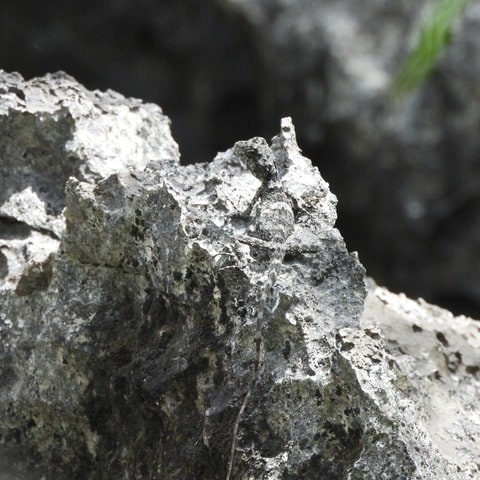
274 222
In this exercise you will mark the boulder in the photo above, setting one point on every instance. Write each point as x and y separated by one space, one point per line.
405 171
204 321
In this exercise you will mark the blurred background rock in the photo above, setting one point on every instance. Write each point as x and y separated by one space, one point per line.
406 171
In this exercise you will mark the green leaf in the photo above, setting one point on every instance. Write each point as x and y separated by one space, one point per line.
435 35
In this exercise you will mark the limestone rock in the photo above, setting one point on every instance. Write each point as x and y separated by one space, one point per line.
131 292
406 173
428 362
405 170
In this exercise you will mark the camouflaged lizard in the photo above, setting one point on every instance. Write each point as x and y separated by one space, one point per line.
273 223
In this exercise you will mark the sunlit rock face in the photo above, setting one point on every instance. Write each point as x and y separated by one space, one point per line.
135 319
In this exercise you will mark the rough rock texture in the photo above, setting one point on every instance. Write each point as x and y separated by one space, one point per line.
421 365
193 58
406 173
129 308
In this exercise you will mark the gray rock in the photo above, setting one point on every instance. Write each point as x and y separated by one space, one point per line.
427 361
406 173
405 170
131 292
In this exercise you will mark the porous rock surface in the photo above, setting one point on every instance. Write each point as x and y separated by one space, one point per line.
406 172
405 169
130 290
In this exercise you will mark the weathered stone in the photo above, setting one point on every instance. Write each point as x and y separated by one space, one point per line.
405 171
427 362
128 333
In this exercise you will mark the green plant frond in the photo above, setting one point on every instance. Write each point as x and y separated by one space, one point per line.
434 36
